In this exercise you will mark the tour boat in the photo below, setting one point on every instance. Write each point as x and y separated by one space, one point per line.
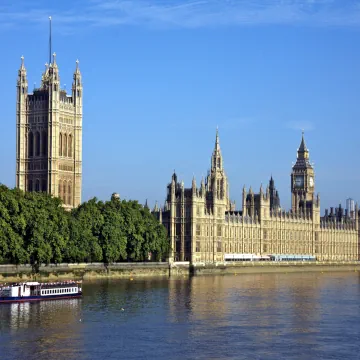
35 291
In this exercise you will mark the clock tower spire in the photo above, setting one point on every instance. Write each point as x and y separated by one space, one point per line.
302 180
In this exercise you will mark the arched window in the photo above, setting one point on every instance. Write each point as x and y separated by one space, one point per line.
30 185
64 192
70 146
43 185
60 145
44 143
69 194
31 144
65 145
37 144
37 185
60 190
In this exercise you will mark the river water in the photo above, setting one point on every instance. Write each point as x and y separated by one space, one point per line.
257 316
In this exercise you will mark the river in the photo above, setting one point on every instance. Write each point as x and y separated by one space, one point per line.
254 316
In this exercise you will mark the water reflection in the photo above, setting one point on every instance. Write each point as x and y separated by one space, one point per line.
257 316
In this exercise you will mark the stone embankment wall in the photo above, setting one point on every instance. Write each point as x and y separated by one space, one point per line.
249 267
52 272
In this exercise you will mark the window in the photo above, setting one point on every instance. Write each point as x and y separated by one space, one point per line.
31 144
178 229
44 143
59 190
218 246
65 145
43 185
70 146
198 230
37 144
219 230
60 144
69 194
30 185
64 192
37 185
198 246
218 163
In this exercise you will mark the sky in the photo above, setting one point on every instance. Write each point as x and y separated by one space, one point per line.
160 75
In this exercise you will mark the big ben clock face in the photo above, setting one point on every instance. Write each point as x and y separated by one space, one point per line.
299 181
311 181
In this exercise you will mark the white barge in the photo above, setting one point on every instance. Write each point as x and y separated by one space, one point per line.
35 291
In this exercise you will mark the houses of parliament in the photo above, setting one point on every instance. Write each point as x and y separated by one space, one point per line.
203 224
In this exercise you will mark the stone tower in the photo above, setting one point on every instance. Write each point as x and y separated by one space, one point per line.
49 135
216 182
302 180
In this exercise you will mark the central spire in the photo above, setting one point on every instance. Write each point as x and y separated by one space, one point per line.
217 144
216 161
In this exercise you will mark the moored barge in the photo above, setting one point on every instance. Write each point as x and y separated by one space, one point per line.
36 291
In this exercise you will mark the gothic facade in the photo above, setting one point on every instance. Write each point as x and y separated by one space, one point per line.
203 225
49 135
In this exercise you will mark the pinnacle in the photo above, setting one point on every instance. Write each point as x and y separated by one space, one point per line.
302 147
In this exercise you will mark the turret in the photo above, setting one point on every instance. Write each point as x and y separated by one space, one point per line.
53 80
146 206
244 201
77 86
202 187
21 122
22 84
357 223
193 186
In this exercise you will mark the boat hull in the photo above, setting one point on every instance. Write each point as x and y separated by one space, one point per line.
8 300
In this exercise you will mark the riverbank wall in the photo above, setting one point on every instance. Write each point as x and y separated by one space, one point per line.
84 271
250 267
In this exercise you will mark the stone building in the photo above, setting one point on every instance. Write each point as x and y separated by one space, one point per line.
203 224
49 135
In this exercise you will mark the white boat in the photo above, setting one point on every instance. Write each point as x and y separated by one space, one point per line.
36 291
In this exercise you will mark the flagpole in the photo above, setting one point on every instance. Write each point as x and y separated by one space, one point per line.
50 41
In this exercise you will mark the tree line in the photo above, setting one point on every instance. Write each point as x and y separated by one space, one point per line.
35 229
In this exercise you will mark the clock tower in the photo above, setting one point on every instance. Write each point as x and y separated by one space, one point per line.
302 180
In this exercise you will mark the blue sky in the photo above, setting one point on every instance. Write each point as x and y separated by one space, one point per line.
159 76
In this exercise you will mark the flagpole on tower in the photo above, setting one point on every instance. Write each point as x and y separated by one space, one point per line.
50 41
